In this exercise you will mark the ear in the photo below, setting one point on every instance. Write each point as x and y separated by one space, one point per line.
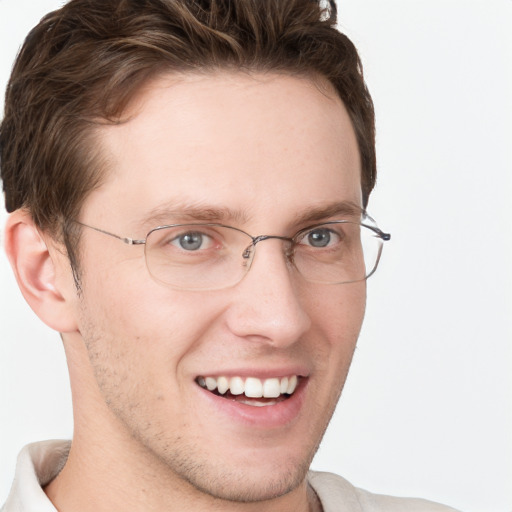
42 272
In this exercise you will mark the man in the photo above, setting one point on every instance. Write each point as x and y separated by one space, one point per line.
188 184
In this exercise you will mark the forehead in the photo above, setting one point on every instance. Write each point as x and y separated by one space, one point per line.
250 143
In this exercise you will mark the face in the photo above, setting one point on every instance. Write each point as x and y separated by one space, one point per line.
259 153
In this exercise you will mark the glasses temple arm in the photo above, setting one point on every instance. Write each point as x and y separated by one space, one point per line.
126 240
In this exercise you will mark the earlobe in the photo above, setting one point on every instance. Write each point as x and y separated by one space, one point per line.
37 272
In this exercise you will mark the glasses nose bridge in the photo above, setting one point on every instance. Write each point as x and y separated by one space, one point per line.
249 251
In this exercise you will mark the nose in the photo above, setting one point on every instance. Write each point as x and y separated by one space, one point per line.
268 304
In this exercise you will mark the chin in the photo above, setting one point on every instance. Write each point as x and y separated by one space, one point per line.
244 475
250 485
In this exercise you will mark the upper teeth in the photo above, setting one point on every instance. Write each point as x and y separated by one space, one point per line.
252 386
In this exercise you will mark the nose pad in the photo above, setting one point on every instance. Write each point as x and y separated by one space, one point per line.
247 255
289 252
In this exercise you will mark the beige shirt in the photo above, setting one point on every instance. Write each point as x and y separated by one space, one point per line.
39 463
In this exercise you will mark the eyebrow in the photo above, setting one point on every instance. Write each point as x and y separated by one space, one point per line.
342 210
175 213
179 213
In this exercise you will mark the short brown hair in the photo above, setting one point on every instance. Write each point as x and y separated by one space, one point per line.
82 64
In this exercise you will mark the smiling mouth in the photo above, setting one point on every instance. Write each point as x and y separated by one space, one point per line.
251 390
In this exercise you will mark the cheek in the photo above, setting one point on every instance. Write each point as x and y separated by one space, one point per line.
338 316
144 323
339 311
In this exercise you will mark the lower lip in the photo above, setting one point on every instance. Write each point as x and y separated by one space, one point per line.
267 417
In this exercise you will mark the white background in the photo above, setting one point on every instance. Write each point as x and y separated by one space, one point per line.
427 407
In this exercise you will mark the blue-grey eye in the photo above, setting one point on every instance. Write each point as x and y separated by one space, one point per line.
191 241
319 237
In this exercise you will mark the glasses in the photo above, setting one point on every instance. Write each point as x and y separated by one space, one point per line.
214 256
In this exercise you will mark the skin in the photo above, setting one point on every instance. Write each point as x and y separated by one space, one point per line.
267 148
